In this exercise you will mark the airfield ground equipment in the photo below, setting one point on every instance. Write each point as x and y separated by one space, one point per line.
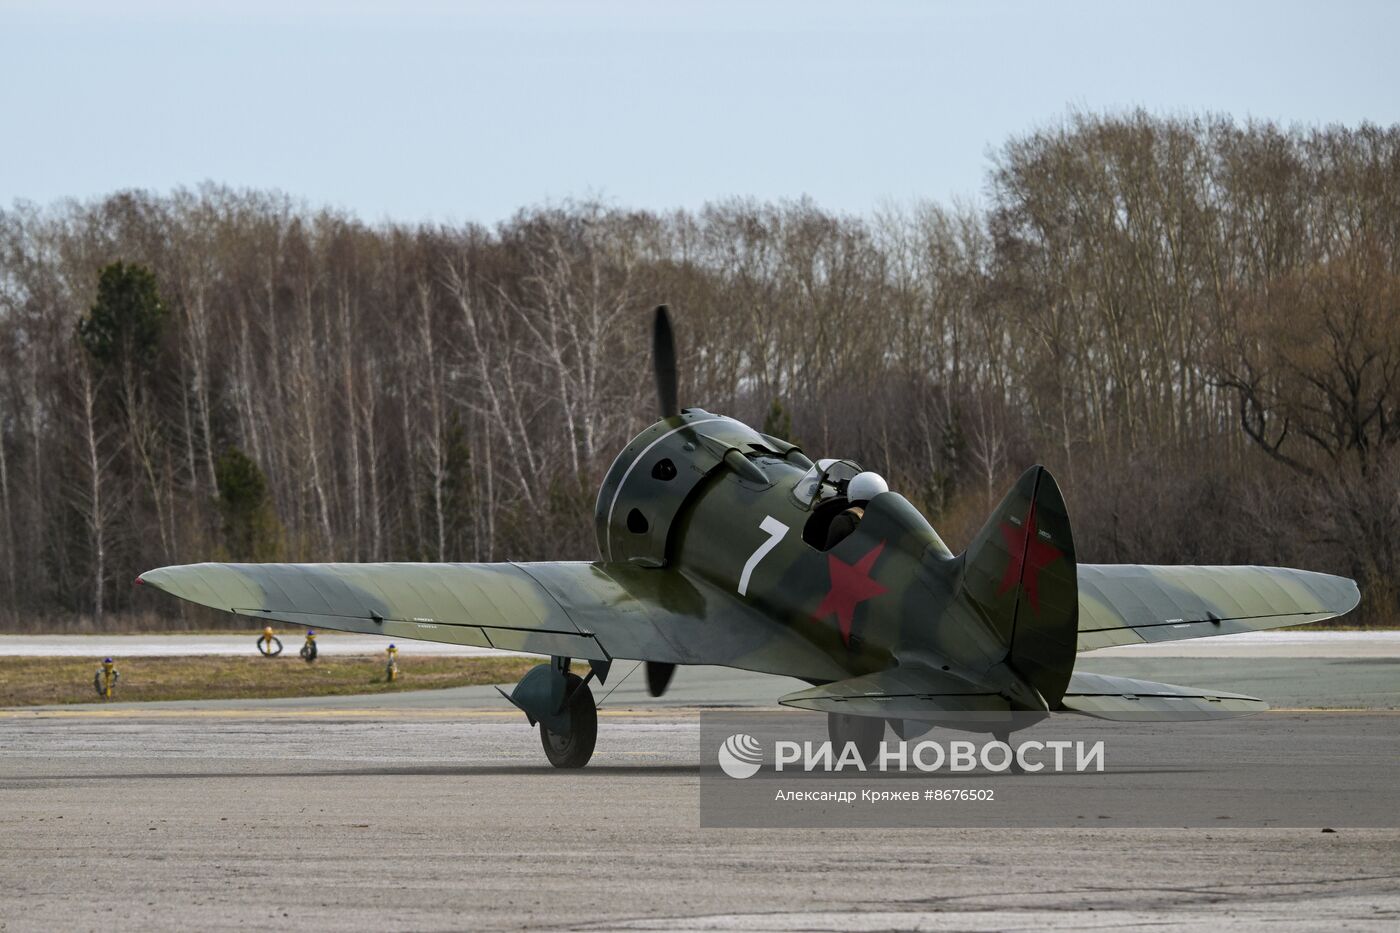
269 645
308 648
105 680
391 667
721 545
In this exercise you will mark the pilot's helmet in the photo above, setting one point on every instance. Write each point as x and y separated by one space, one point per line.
866 486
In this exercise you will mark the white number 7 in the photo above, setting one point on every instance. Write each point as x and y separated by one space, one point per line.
776 530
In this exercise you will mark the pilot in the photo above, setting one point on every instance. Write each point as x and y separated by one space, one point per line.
861 489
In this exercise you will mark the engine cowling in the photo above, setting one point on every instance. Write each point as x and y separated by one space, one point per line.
655 475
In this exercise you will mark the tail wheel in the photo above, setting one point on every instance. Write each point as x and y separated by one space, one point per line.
574 749
864 731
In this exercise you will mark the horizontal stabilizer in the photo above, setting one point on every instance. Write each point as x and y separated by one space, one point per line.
1127 700
906 692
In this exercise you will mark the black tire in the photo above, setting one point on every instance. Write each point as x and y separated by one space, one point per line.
263 647
865 731
574 749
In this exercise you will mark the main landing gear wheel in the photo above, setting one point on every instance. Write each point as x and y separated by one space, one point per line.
573 750
865 731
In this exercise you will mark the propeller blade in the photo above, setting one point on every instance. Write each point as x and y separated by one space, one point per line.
659 677
663 355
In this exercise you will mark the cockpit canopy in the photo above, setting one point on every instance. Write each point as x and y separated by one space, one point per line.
826 479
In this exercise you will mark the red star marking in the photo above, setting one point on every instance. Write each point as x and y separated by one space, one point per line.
850 584
1029 555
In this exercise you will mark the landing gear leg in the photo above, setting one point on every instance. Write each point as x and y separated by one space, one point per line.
573 748
864 731
1005 737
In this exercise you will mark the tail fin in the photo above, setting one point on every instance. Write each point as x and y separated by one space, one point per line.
1020 571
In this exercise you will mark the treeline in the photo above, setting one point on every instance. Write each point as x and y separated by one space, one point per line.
1194 323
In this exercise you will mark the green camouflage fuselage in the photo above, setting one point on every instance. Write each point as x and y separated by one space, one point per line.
885 595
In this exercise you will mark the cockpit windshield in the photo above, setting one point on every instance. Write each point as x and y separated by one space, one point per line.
825 480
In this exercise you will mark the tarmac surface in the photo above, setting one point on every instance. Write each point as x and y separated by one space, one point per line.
435 810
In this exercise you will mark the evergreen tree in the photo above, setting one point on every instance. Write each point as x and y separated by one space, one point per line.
123 327
252 531
778 423
459 488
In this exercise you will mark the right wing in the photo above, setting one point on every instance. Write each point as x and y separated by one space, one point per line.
1128 604
595 611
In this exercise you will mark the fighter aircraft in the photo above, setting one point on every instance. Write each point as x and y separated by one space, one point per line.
722 545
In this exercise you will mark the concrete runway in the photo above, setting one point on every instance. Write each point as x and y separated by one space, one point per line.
435 810
439 820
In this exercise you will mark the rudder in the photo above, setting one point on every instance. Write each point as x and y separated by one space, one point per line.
1020 571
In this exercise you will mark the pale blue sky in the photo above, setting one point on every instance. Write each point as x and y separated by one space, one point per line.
467 111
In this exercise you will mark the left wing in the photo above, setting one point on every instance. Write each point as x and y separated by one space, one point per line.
1128 604
595 611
